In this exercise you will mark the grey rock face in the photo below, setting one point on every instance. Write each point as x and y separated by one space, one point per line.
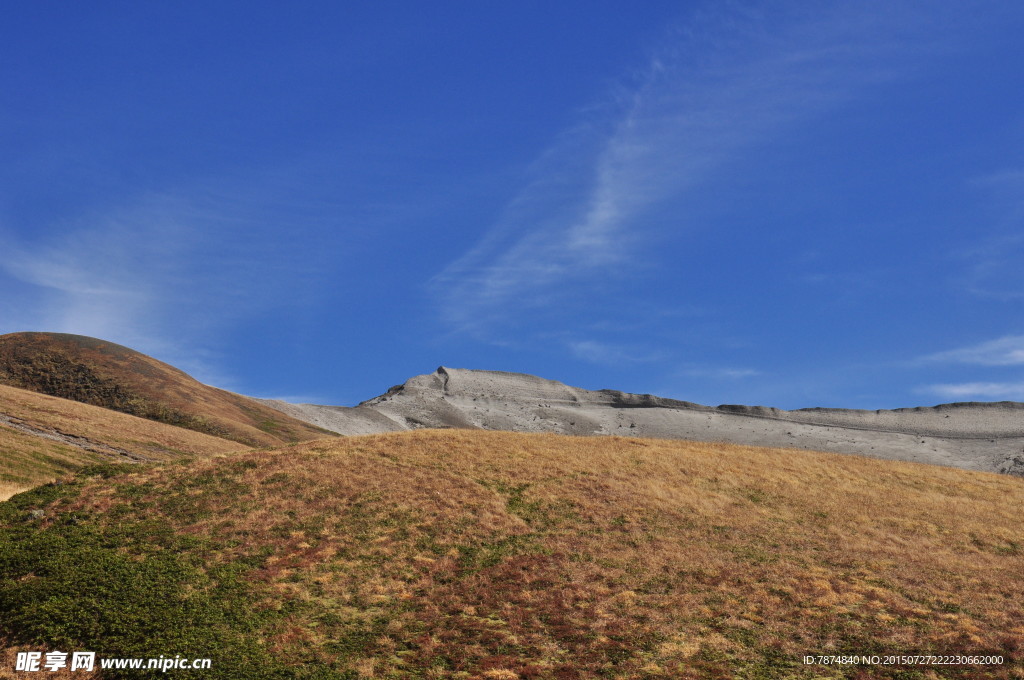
975 436
1014 465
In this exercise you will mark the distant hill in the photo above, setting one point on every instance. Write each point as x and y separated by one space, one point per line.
974 436
104 374
457 554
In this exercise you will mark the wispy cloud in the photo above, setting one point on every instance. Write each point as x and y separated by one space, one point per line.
605 353
992 264
295 398
730 373
719 86
1000 352
1005 351
163 275
993 268
106 277
977 390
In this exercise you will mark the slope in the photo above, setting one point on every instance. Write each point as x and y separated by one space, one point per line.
103 374
44 437
472 554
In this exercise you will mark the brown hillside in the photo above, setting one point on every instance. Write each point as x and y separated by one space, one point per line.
461 554
104 374
44 437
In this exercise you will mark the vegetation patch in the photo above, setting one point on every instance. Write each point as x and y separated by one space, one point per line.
130 588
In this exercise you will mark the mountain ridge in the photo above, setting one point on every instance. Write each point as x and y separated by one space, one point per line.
971 435
986 436
513 554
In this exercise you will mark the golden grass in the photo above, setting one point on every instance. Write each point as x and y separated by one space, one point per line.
7 489
457 554
27 460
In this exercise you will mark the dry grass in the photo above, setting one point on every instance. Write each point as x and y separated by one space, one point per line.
27 460
8 489
459 554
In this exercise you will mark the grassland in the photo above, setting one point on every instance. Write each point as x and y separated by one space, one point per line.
467 554
43 438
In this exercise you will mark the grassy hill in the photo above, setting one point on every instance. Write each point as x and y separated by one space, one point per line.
104 374
44 437
470 554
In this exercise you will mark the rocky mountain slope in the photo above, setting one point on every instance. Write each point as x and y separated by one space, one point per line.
975 436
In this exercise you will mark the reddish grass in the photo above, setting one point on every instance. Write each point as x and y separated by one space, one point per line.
458 554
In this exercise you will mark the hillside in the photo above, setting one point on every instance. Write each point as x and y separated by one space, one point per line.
44 437
973 436
103 374
474 554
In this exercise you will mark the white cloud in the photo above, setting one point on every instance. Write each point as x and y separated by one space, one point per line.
1005 351
295 398
992 264
106 278
597 352
993 268
711 92
978 390
163 276
730 373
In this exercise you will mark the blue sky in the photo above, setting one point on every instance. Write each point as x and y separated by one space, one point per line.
787 203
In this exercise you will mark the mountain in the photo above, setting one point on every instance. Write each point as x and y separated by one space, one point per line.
974 436
104 374
455 554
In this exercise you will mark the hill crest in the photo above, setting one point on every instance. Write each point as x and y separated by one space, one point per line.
115 377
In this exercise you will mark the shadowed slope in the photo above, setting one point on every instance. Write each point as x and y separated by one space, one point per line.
461 554
103 374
